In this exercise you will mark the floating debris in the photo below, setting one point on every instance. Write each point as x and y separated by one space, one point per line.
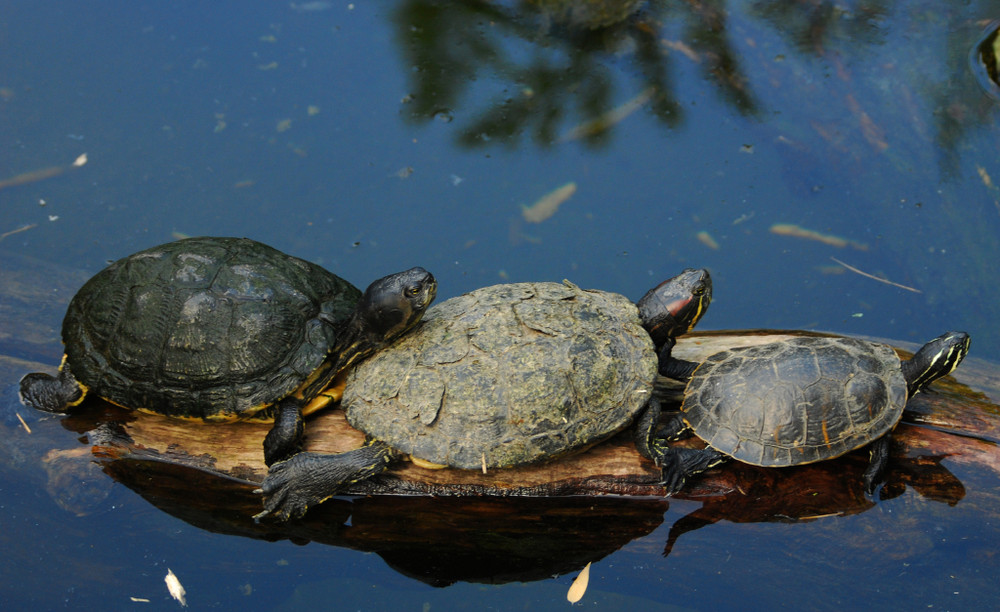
788 229
548 204
985 176
676 45
23 228
175 588
311 7
270 66
403 173
44 173
312 110
579 586
744 217
610 118
284 125
831 269
706 239
877 278
23 424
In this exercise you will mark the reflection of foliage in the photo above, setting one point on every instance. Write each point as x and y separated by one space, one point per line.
885 122
709 36
552 61
813 25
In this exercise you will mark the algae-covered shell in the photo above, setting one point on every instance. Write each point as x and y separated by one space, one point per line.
507 375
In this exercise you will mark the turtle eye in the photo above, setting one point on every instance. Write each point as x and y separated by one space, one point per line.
413 291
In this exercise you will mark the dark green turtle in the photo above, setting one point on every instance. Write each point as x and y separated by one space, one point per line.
219 329
503 376
799 401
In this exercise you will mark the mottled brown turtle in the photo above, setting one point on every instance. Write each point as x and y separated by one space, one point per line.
503 376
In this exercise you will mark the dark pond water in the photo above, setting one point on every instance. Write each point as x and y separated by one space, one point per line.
766 141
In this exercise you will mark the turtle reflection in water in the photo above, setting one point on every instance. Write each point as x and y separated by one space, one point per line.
503 376
799 401
219 329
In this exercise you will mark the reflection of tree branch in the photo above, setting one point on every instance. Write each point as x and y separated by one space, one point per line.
551 73
813 25
708 35
444 52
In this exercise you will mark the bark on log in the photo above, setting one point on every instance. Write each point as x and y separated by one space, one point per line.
954 419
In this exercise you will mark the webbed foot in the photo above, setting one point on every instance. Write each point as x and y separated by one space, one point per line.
294 485
678 464
51 393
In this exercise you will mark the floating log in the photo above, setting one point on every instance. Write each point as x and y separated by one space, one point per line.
951 419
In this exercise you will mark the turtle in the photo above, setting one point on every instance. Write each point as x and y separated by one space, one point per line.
798 401
503 376
221 329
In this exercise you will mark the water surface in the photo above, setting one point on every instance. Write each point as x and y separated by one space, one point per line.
372 137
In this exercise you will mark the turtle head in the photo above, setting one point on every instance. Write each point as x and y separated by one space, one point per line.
935 359
393 304
676 305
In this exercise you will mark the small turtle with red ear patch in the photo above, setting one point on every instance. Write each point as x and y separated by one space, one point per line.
799 401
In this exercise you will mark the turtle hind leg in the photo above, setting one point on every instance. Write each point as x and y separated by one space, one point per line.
875 472
679 464
51 393
676 464
286 436
306 479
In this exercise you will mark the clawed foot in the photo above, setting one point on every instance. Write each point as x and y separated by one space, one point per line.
306 479
677 464
288 491
672 475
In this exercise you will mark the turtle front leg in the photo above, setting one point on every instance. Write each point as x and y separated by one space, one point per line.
286 436
670 366
58 393
875 472
306 479
647 442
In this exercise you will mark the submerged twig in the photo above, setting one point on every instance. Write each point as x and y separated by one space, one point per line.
873 277
23 228
20 418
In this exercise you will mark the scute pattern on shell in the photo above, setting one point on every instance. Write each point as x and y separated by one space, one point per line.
796 401
509 375
203 327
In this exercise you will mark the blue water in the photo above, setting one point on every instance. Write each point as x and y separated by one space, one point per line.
372 137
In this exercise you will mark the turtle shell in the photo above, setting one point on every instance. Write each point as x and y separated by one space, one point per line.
507 375
796 401
211 328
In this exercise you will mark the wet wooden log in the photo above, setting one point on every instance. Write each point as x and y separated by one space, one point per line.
956 418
